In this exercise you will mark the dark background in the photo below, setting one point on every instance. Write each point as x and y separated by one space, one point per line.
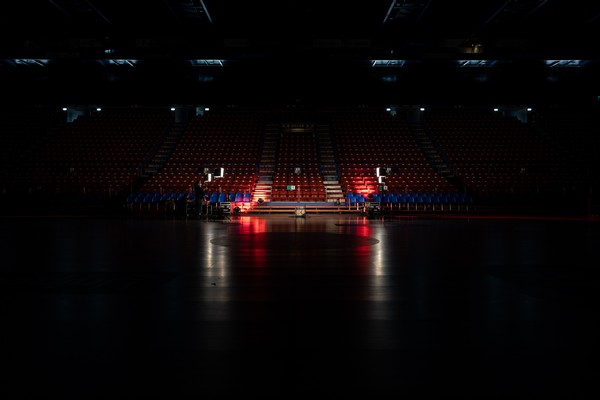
315 52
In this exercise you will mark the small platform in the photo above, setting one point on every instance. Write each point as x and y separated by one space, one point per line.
290 207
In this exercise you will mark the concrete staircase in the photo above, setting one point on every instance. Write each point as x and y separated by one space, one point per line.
264 185
432 152
436 155
163 152
333 189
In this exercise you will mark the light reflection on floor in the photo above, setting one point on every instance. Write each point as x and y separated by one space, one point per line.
280 305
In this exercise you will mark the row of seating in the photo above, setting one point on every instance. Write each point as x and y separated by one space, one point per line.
416 199
150 200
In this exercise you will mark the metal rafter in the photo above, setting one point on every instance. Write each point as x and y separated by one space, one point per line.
75 8
592 20
520 9
60 8
192 9
98 11
406 9
512 9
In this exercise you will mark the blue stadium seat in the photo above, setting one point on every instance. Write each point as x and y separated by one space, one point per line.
399 199
351 199
386 198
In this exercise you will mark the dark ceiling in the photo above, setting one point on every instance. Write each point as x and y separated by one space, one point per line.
285 51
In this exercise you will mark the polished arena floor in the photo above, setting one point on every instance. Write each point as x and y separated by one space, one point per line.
328 306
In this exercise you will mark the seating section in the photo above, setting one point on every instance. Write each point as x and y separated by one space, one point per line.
305 185
496 156
480 156
210 142
98 154
370 140
297 176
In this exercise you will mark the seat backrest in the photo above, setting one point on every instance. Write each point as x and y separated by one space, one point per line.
131 198
148 197
351 198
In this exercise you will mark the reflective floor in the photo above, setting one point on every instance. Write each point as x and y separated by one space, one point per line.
277 305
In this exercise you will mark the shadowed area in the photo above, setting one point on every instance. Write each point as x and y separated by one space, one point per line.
280 306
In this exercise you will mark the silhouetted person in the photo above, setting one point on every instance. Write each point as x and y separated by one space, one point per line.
199 196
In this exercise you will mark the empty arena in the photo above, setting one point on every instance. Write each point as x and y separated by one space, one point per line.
399 199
